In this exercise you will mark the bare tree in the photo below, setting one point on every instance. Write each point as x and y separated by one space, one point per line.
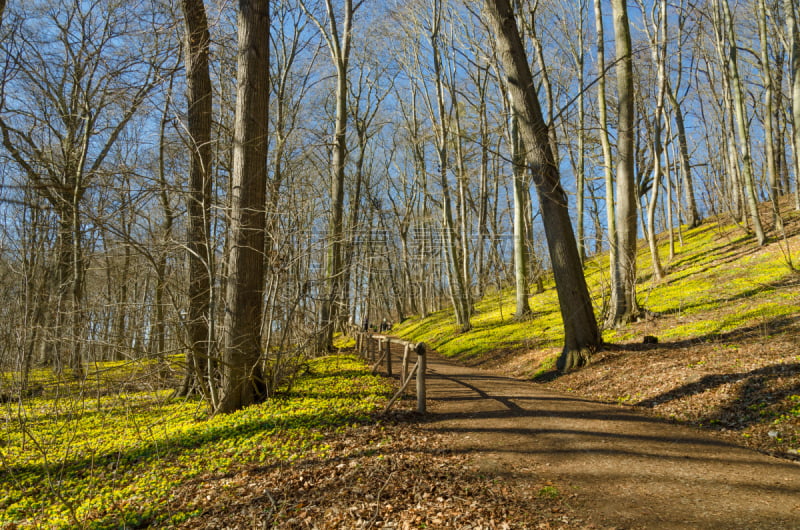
793 38
453 252
83 85
605 144
242 382
581 334
339 44
520 186
623 305
728 50
769 111
656 30
199 103
693 218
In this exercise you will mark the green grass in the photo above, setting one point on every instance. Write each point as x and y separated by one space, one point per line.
112 462
719 281
549 492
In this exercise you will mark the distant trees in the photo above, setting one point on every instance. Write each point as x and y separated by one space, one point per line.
442 121
69 96
728 52
339 44
656 31
792 40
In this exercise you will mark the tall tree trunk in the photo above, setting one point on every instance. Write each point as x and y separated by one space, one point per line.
483 194
159 327
523 310
70 275
693 218
793 36
461 178
608 174
199 102
581 334
668 206
580 174
769 124
455 276
658 43
243 383
624 306
779 119
339 47
544 77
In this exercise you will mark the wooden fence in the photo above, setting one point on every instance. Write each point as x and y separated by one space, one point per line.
377 350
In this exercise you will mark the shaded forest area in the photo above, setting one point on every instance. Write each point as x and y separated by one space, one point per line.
218 190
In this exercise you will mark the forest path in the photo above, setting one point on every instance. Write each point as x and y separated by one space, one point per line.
617 467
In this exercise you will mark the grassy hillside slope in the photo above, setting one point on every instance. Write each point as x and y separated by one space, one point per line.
727 317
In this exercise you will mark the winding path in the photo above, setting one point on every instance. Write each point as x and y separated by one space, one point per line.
621 468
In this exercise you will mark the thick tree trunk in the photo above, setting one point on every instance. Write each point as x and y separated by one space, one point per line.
242 379
70 275
199 103
581 335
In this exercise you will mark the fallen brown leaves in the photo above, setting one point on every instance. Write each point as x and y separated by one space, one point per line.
740 386
383 475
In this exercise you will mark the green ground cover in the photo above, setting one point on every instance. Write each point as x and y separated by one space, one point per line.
715 267
77 459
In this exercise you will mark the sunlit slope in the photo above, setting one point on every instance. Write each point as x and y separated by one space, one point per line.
718 281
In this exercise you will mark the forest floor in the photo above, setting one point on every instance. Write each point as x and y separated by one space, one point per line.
612 466
700 430
495 451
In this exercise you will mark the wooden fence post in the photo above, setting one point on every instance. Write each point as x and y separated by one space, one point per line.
387 345
421 369
404 368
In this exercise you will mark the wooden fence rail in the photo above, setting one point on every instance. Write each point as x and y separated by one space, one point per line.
376 349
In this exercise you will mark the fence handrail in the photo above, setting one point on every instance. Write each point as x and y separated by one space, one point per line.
384 343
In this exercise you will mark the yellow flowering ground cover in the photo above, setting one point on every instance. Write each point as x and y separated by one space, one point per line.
78 460
714 267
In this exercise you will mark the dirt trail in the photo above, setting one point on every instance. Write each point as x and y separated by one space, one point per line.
620 468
